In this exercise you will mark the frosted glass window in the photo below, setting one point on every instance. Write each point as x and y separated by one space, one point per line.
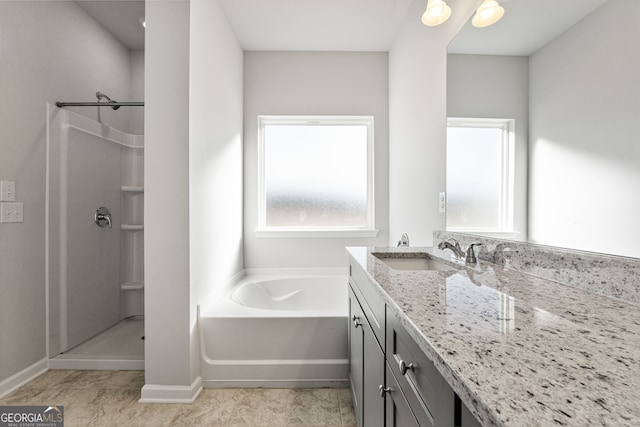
316 173
479 175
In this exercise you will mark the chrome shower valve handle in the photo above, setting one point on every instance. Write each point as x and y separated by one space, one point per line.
102 217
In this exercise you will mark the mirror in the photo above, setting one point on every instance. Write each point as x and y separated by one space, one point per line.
568 72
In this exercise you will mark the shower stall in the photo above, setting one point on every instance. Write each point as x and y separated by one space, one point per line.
95 245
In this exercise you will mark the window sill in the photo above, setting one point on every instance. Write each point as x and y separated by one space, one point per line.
291 233
507 235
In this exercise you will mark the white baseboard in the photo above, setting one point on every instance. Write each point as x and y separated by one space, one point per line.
21 378
155 393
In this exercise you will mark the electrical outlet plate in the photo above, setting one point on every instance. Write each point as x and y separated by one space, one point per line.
7 191
11 212
442 202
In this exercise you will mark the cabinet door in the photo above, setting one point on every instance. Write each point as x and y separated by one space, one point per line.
398 412
464 417
356 355
373 407
428 393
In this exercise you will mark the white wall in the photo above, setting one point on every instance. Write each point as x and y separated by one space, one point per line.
417 122
193 182
487 86
136 114
49 51
308 83
215 154
584 153
166 217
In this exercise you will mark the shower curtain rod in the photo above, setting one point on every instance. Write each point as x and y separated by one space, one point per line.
114 105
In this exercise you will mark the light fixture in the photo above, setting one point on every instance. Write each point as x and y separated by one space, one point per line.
488 13
437 12
143 22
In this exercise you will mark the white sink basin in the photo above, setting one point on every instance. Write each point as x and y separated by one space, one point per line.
412 262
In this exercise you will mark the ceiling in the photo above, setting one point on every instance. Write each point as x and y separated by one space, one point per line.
322 25
357 25
120 17
527 26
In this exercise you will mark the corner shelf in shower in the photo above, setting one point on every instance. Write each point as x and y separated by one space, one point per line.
133 189
132 227
132 286
132 195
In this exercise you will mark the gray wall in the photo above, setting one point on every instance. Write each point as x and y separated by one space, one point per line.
584 149
487 86
308 83
50 51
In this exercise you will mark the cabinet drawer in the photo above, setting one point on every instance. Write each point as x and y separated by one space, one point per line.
372 304
429 395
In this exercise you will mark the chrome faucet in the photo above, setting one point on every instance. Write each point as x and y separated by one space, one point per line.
404 240
470 255
452 244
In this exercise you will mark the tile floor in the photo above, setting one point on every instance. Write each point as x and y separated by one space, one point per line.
110 398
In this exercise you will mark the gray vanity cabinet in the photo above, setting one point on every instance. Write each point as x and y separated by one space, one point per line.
356 355
393 383
428 394
366 367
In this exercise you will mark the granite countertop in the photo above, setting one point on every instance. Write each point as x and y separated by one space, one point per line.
518 350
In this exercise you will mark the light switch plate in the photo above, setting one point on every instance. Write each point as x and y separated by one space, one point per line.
442 202
7 191
11 212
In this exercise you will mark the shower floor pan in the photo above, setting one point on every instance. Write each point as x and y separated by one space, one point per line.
119 347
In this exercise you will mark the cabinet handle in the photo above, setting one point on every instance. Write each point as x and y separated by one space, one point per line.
383 390
356 321
404 367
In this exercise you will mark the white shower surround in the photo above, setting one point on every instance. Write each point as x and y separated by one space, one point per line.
89 164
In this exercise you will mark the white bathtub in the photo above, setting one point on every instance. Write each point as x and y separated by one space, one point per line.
277 331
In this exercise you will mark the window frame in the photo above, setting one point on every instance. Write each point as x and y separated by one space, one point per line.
367 230
506 225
